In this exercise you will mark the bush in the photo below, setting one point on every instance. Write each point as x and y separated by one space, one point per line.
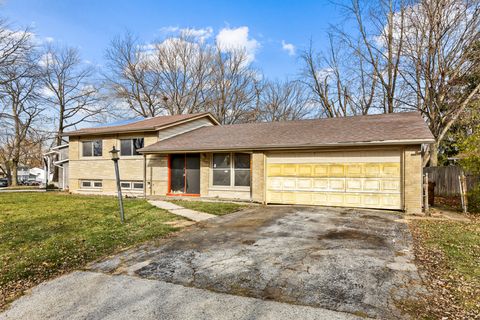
474 200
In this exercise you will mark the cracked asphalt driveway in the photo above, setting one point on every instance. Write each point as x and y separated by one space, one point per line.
357 261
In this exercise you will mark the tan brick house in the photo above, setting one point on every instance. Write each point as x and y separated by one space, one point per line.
372 161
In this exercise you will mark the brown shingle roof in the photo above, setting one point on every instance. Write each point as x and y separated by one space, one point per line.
407 127
150 124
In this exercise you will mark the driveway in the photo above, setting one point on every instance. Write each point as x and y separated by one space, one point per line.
358 262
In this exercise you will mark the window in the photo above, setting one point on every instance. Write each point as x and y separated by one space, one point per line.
91 184
221 169
92 148
242 169
131 185
129 147
231 169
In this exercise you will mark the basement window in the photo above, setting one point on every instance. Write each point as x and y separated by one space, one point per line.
131 185
91 184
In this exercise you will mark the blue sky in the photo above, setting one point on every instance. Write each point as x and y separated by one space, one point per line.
277 30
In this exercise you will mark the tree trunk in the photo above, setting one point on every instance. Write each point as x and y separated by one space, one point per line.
14 181
433 155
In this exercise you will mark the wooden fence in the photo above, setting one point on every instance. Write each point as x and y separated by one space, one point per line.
446 180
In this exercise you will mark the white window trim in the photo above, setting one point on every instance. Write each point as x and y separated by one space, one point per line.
232 174
131 188
129 156
92 184
92 156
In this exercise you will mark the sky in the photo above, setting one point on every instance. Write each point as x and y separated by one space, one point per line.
273 32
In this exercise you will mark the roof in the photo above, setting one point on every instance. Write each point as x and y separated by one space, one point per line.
151 124
395 128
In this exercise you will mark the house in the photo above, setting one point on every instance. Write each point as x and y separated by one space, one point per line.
372 161
57 157
25 174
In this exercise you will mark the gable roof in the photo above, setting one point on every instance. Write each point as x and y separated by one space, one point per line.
150 124
396 128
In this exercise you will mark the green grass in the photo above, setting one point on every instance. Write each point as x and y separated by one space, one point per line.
450 254
216 208
459 242
46 234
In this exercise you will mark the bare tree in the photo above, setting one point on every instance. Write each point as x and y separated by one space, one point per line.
13 46
131 77
20 98
182 66
70 89
441 52
339 82
378 41
281 101
233 87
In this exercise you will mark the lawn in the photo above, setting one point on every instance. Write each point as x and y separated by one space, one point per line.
448 254
216 208
43 235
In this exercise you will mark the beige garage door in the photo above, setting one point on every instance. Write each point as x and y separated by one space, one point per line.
369 179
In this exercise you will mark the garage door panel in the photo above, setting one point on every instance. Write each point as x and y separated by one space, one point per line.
289 184
336 170
320 184
336 184
354 170
391 170
274 170
320 170
305 170
354 185
304 184
358 179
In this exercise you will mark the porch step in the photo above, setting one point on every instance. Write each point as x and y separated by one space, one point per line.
181 211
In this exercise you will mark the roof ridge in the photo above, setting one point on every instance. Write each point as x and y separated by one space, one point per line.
324 119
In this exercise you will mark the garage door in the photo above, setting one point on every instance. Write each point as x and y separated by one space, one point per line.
348 179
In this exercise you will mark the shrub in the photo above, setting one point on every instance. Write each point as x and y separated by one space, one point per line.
474 200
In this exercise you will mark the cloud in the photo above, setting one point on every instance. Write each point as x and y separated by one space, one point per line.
48 39
169 29
201 34
290 48
237 39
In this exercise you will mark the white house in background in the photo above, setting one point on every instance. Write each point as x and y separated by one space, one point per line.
57 157
26 174
23 173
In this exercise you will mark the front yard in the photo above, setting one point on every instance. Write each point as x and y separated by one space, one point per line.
216 208
43 235
448 255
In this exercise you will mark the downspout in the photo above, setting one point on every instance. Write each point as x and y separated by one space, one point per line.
251 177
145 176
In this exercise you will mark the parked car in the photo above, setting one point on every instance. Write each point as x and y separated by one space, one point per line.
3 183
32 183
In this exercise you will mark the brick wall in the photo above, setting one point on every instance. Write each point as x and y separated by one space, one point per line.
412 168
205 159
258 176
101 168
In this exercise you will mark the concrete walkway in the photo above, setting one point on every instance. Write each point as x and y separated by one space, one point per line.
90 295
181 211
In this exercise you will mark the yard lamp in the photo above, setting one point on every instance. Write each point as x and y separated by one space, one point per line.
115 158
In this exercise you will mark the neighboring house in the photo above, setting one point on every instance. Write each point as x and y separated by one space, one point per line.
27 174
23 173
372 161
57 157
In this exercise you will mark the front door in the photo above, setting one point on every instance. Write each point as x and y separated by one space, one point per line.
185 173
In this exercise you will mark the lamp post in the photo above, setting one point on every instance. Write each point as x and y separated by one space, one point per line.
115 158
